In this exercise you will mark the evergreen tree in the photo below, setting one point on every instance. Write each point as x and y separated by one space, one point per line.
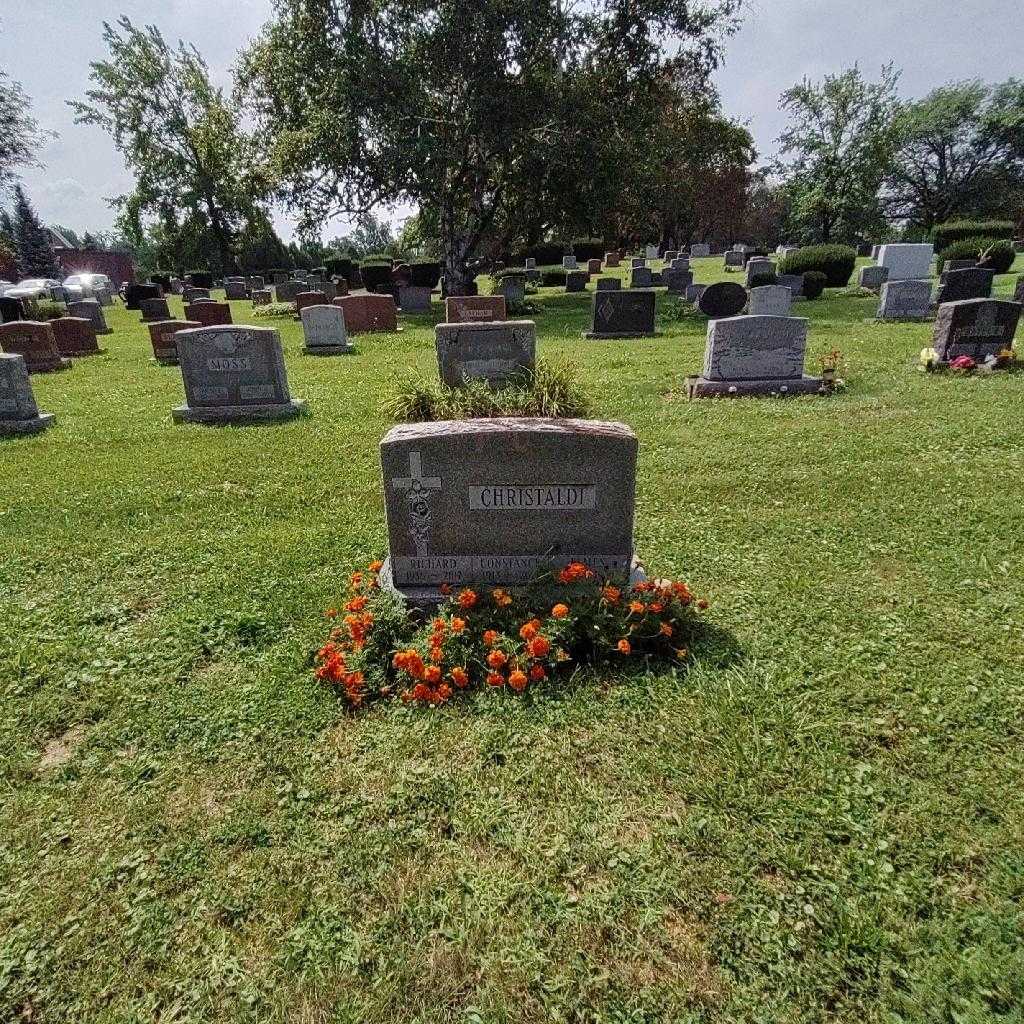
35 254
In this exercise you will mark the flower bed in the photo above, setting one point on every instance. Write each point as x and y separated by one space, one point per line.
499 639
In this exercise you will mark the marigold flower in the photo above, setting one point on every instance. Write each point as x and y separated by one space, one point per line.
436 655
357 604
636 607
624 646
530 629
433 675
460 677
611 594
331 613
496 659
517 680
657 607
356 579
376 566
573 572
560 611
502 598
666 629
538 647
537 673
681 592
490 637
438 626
458 625
444 691
467 598
702 604
495 679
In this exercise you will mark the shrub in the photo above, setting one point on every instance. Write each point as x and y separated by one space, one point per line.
545 254
552 278
339 267
589 249
945 235
814 284
273 310
425 274
46 310
760 280
375 275
836 262
500 638
996 255
200 278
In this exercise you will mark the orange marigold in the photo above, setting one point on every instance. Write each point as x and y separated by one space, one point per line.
467 598
666 629
624 646
502 598
495 679
573 572
611 594
458 625
517 680
436 655
490 637
460 677
496 659
356 579
537 673
376 565
636 607
438 626
530 629
331 613
433 675
560 611
538 647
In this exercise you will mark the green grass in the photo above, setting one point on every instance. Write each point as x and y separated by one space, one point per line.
821 821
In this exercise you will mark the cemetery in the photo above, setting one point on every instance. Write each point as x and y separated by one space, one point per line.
627 629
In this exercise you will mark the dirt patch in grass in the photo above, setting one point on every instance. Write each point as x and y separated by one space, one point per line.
59 750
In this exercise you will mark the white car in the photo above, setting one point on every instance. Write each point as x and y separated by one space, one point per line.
34 288
86 286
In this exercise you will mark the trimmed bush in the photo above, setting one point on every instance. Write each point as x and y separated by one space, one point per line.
589 249
995 255
200 278
998 256
545 254
836 262
552 279
760 280
425 274
375 275
945 235
814 284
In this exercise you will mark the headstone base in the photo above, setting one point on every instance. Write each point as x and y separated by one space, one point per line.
701 387
53 366
328 350
240 414
635 334
900 320
22 428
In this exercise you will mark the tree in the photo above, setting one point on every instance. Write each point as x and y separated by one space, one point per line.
35 253
960 154
840 142
494 119
369 235
179 137
19 132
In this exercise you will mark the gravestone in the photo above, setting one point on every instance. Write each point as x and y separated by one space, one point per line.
873 277
670 255
368 313
593 266
11 310
74 336
794 282
609 284
33 340
958 264
770 300
323 329
497 501
330 290
233 374
209 314
92 311
530 263
463 309
905 300
153 310
680 263
261 296
280 277
694 292
162 338
568 262
678 280
723 299
502 354
651 252
978 328
575 281
969 283
622 314
286 291
611 260
640 277
414 298
235 289
753 356
19 413
637 263
1018 294
135 293
700 250
513 288
907 261
257 283
734 259
105 296
759 268
309 298
190 294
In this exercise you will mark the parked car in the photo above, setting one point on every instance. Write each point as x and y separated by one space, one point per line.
86 286
35 288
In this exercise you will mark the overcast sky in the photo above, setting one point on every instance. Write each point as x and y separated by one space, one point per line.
47 46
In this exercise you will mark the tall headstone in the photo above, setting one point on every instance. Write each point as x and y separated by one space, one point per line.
905 300
233 374
162 338
622 314
463 309
978 328
513 287
497 501
907 261
93 312
651 252
575 281
677 280
770 300
209 314
154 309
593 266
969 283
501 354
759 268
323 329
19 413
33 340
754 356
74 336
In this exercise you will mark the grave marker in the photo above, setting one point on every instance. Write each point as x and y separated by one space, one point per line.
502 354
19 413
33 340
74 336
622 314
209 314
977 328
461 309
905 300
161 337
323 329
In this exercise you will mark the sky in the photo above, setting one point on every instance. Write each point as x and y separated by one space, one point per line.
47 46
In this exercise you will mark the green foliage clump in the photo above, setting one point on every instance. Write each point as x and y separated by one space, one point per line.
375 275
552 278
945 235
425 274
552 391
589 249
766 278
43 310
836 262
814 284
545 254
996 255
273 310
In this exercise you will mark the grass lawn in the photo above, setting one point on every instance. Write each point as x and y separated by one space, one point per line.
822 820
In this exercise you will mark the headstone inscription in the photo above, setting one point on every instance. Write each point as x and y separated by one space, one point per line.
722 299
969 283
907 261
74 336
233 374
502 354
19 413
770 300
153 310
609 284
754 356
497 501
161 337
209 314
323 329
873 277
905 300
978 328
368 313
463 309
33 340
622 314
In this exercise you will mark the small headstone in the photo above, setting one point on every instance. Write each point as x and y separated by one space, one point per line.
286 291
640 277
501 354
190 294
233 374
611 260
261 296
309 298
235 289
93 312
609 284
497 501
905 300
575 281
754 355
978 328
257 283
568 262
873 277
680 263
414 299
153 310
209 314
637 263
758 268
651 252
74 336
907 261
656 277
622 314
969 283
33 340
724 299
700 250
11 310
280 277
513 288
465 309
794 282
734 259
323 329
594 266
368 313
161 337
330 290
678 280
694 292
19 413
770 300
530 263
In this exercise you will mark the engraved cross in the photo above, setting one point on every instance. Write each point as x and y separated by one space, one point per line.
416 481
